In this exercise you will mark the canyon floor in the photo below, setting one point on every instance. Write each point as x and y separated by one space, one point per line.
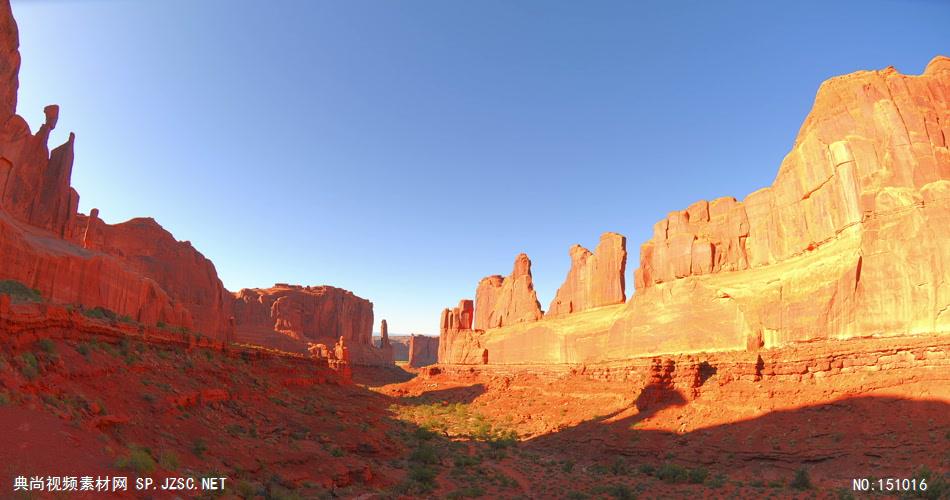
801 422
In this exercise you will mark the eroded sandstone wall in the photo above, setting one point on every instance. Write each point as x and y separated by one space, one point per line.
595 279
423 350
320 315
506 301
851 240
136 269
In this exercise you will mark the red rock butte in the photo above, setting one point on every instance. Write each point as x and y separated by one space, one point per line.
849 241
137 269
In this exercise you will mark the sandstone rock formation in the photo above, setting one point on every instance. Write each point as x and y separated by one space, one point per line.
458 318
423 350
319 314
849 241
135 268
595 279
385 346
505 301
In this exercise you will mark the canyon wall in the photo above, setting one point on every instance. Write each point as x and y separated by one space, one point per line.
423 351
505 301
290 317
136 268
595 279
850 240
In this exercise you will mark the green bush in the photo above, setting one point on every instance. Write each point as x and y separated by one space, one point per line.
46 345
99 313
138 460
169 460
29 366
672 473
19 292
801 481
4 398
423 477
698 475
199 447
937 486
424 454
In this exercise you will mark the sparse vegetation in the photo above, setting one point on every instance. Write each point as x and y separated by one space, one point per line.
19 292
672 473
99 313
801 481
138 459
199 447
29 366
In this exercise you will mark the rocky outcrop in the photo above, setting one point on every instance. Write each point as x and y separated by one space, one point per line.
423 350
595 279
457 318
295 315
505 301
387 352
135 269
849 241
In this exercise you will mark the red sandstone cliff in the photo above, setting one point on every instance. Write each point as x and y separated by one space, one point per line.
423 350
850 240
505 301
136 268
291 316
595 279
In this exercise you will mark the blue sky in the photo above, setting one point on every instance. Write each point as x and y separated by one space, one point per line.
405 149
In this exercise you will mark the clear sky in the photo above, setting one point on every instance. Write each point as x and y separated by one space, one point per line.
405 149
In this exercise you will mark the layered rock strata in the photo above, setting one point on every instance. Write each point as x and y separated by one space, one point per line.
850 240
595 279
423 350
293 315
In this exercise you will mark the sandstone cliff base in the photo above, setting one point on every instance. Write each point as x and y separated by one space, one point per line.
717 425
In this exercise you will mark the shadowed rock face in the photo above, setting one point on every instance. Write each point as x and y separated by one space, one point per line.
423 350
136 268
850 240
595 279
321 314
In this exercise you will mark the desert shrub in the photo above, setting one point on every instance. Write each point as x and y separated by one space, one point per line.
84 349
138 460
336 452
423 477
466 460
99 313
672 473
29 366
125 318
199 447
169 460
938 486
801 481
467 492
4 398
646 469
46 345
424 454
698 475
716 481
19 292
567 467
619 467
